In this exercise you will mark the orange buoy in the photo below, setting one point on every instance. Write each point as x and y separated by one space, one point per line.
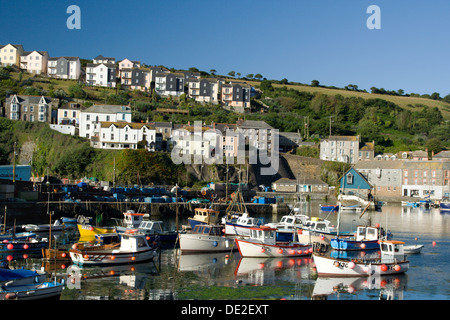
434 243
25 256
10 246
25 246
63 255
383 267
133 258
363 245
113 257
9 257
336 264
397 268
86 256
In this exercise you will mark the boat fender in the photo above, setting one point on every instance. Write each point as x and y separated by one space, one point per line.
215 243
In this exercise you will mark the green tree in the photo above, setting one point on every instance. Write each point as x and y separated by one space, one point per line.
315 83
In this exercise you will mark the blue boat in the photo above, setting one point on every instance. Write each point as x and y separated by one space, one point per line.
17 236
23 246
444 206
330 208
366 238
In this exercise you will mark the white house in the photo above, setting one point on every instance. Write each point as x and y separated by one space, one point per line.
125 135
101 59
91 117
34 61
101 74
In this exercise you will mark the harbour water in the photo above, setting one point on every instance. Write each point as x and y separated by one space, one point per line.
226 276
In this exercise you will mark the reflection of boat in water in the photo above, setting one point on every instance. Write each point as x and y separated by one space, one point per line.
260 271
391 287
202 261
392 261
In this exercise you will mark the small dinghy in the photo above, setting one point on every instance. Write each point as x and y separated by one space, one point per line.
413 249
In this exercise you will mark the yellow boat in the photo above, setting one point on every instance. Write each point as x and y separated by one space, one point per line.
89 231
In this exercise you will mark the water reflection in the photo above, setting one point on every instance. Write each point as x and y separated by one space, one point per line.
390 287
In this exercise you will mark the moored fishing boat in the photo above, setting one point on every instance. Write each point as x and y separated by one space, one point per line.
131 220
89 231
22 246
132 248
154 230
242 225
205 238
329 208
21 276
262 243
444 205
203 216
35 291
55 227
366 238
319 230
285 227
392 261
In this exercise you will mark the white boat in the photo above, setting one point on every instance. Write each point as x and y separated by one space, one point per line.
241 226
262 243
319 230
131 220
132 248
352 208
56 226
413 249
42 290
205 238
392 261
287 225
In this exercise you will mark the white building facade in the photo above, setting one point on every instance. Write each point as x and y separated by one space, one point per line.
90 118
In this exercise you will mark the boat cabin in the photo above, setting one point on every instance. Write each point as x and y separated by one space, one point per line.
151 227
132 242
132 219
366 233
290 221
392 251
206 215
212 230
320 225
264 235
245 220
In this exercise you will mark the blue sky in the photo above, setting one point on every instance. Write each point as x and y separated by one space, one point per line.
325 40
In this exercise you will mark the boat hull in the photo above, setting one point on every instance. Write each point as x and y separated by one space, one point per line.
87 230
330 208
347 244
23 246
45 290
255 249
332 267
234 229
198 243
110 257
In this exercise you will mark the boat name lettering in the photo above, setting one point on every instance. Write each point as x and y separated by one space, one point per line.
342 264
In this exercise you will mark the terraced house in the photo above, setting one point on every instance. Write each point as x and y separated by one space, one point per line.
347 149
236 97
91 118
127 135
101 74
64 68
10 54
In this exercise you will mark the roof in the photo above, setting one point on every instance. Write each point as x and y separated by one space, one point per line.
93 65
105 108
29 99
344 138
378 164
121 124
26 53
253 124
65 57
442 154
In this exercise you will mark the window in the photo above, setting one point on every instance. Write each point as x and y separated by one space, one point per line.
349 178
